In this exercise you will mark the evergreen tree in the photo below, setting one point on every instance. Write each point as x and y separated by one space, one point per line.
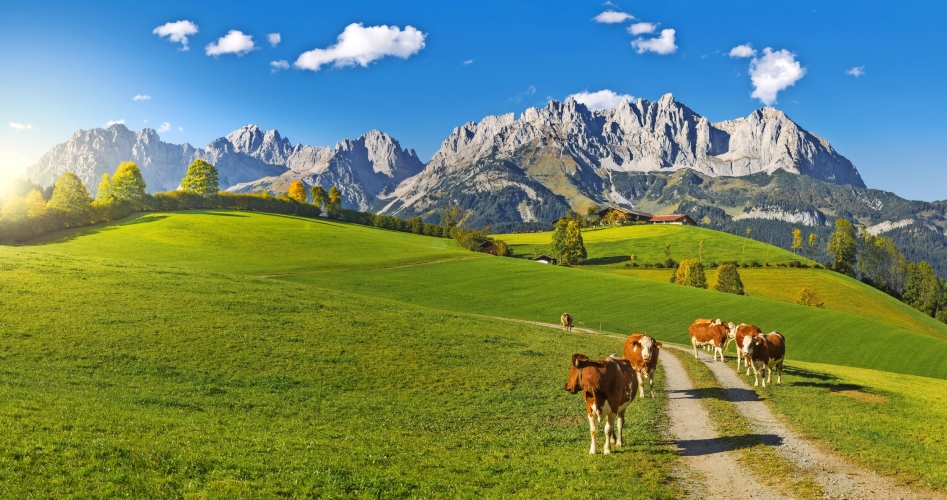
320 197
728 280
70 195
842 245
127 183
334 207
297 191
104 193
690 272
923 290
201 178
807 297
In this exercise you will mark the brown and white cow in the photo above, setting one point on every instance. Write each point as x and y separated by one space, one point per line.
642 352
705 332
765 352
566 320
609 386
737 334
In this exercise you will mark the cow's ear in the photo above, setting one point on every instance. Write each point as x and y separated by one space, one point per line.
578 359
636 344
658 344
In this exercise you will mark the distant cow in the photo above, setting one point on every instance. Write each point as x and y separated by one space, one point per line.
642 352
737 334
705 332
765 352
566 320
609 386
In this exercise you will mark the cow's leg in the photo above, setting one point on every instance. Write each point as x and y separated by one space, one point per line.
694 342
779 374
609 432
620 424
756 376
593 429
746 363
738 359
640 383
717 349
651 382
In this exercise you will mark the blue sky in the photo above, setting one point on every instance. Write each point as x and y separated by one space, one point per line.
65 66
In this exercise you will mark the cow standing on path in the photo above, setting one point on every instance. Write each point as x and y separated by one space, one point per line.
765 352
642 352
705 332
566 320
609 386
737 334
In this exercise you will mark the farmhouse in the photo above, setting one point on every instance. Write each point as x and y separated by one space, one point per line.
682 219
545 259
624 215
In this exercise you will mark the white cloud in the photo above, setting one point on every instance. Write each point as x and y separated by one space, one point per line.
641 28
531 90
146 120
468 62
164 127
612 17
603 99
140 97
181 129
279 65
274 39
234 42
663 44
360 45
114 122
856 71
745 50
177 32
20 126
774 72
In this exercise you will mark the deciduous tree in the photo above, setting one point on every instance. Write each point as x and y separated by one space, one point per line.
796 242
807 297
127 183
334 207
320 197
70 194
842 245
297 191
690 272
202 178
104 193
567 242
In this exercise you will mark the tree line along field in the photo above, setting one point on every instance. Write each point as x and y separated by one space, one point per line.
228 331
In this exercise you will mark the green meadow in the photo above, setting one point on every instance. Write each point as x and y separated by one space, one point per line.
215 354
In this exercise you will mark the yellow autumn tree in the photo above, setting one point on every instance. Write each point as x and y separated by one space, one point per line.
297 191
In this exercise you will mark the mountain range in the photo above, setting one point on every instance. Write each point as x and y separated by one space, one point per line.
517 173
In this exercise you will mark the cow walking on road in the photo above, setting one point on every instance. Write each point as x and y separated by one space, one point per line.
765 352
704 332
566 320
609 385
737 334
642 352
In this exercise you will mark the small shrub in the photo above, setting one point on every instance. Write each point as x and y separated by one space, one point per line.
728 280
670 264
659 265
690 272
756 263
713 264
807 297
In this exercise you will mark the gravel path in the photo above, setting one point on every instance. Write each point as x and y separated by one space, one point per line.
837 477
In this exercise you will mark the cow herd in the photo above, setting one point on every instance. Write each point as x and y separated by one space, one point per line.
609 385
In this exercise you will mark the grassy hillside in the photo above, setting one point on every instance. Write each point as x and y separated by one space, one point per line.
609 250
329 256
120 378
616 245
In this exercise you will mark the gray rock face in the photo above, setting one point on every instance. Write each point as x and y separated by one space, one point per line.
638 136
247 160
91 153
363 168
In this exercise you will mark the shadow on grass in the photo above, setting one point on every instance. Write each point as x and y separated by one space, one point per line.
700 447
224 214
64 235
601 261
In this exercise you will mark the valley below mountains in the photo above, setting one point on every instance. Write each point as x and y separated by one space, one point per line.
763 172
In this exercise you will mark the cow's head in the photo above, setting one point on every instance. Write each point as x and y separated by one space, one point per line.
751 343
647 346
574 384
